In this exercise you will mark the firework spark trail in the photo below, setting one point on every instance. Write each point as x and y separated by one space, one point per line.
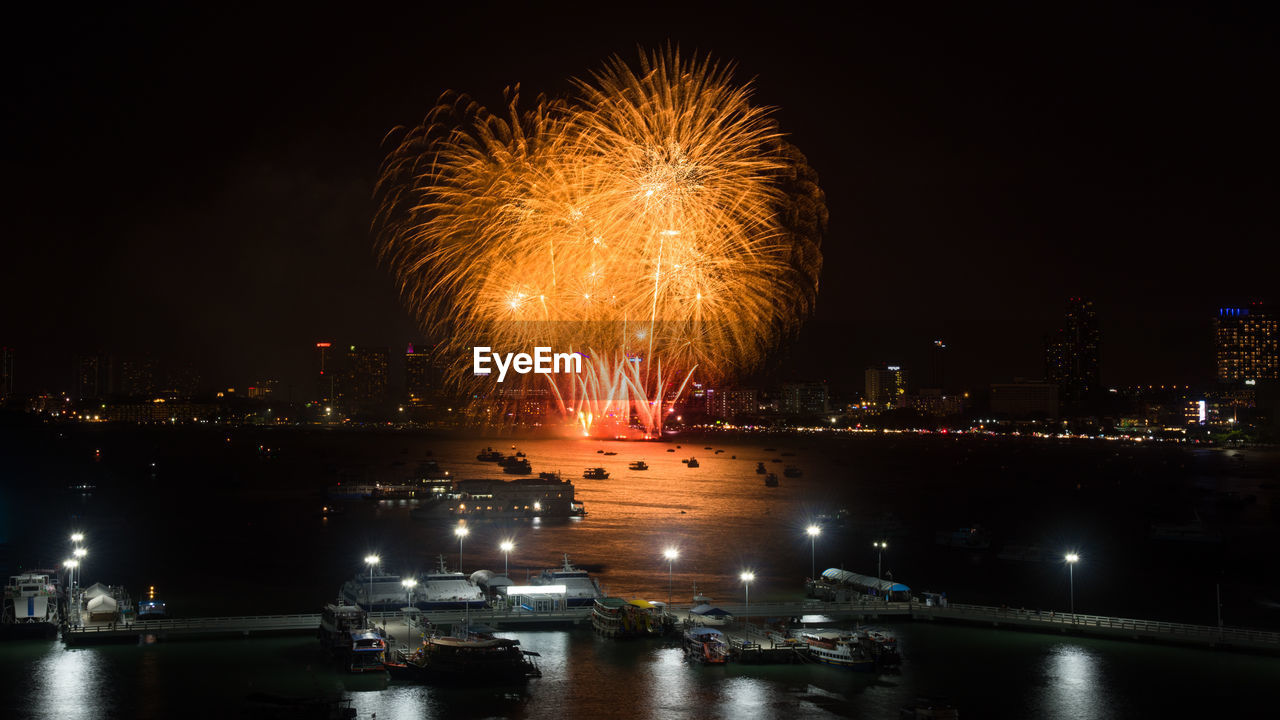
657 213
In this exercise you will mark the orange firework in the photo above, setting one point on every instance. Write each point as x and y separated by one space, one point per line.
657 221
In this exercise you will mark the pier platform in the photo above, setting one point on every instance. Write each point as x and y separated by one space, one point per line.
133 632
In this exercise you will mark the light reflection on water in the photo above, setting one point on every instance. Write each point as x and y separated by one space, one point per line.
70 684
1073 681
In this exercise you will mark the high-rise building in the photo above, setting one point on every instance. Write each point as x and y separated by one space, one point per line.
421 379
1071 354
94 379
6 373
885 384
1021 399
1246 343
732 403
938 356
263 389
138 377
366 377
804 398
182 381
326 378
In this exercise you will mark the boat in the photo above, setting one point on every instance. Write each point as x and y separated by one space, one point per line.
706 645
760 469
32 604
719 451
969 538
597 473
580 589
554 476
470 657
614 617
771 449
519 467
788 454
489 455
611 453
345 631
792 471
494 499
671 450
520 454
834 647
639 465
440 590
882 646
692 462
771 480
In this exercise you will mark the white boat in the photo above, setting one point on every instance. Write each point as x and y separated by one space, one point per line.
580 589
31 604
345 631
834 647
441 590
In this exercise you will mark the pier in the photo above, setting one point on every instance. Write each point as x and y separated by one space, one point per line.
104 633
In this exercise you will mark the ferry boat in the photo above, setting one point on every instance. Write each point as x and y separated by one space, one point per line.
614 617
639 465
440 590
598 473
493 499
31 604
345 631
580 589
771 480
470 657
706 645
838 648
489 455
792 471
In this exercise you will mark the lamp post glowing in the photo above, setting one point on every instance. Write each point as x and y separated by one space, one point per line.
70 565
79 553
461 531
880 547
814 531
670 554
507 546
1072 559
746 578
409 584
372 561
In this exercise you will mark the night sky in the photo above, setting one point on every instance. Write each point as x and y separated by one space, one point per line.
198 186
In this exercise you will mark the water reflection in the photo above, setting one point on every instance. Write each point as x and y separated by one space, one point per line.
69 685
1073 675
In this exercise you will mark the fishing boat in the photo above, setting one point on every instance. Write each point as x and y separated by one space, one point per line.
489 455
614 617
345 631
771 480
881 645
580 589
841 649
639 465
611 453
597 473
706 645
760 469
31 604
692 462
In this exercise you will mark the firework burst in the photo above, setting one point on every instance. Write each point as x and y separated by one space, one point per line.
656 221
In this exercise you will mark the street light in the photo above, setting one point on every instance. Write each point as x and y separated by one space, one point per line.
880 547
670 554
461 531
372 561
70 565
77 537
409 584
1072 559
79 553
507 546
747 577
814 531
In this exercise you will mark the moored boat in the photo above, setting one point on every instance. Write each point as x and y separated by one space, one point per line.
580 589
32 604
841 649
638 465
345 631
706 645
771 480
615 617
469 658
597 473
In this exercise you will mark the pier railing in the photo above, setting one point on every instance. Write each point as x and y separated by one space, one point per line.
244 623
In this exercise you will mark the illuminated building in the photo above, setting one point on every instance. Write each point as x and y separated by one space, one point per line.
263 389
6 373
1071 355
326 379
366 377
885 385
1246 343
804 399
1022 399
93 376
138 377
932 401
421 381
733 403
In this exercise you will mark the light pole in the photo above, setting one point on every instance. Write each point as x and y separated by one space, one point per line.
70 565
461 531
747 577
670 554
409 584
76 539
507 546
1072 559
79 553
880 547
814 531
372 561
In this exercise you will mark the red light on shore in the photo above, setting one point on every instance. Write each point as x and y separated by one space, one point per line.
323 345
